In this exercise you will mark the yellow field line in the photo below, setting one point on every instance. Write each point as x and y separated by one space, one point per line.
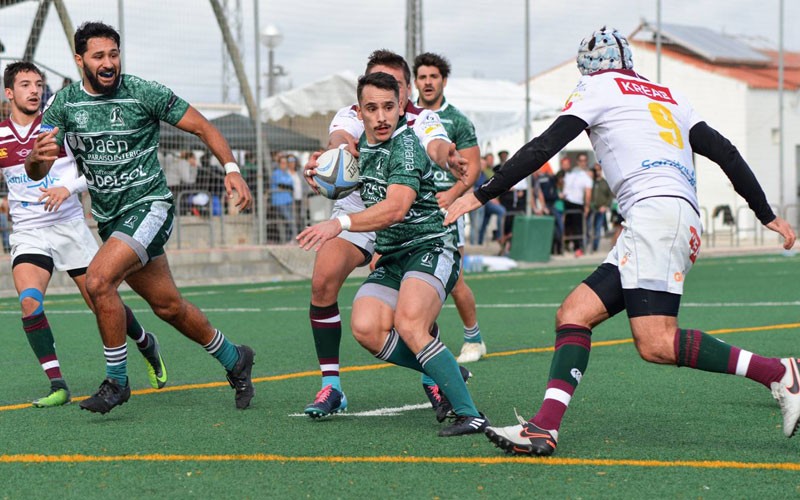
379 366
604 343
502 460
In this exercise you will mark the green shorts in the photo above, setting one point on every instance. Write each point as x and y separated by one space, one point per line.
145 228
437 264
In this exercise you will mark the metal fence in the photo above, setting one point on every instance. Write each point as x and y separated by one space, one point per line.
210 53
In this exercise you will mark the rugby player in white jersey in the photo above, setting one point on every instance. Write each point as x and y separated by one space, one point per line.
644 135
340 256
49 231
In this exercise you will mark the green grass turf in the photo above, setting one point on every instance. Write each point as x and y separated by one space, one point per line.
625 409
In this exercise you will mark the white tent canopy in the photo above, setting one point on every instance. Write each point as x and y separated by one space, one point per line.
330 94
496 107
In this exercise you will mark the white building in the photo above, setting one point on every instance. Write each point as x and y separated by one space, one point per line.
734 88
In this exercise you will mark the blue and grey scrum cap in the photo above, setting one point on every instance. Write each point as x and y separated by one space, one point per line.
606 48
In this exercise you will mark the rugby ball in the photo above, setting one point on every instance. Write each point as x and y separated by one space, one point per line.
337 173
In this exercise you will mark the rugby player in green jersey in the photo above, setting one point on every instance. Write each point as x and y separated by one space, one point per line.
430 78
395 309
111 123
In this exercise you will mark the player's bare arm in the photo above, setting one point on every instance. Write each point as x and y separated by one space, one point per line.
197 124
444 154
461 206
44 153
472 156
392 210
340 137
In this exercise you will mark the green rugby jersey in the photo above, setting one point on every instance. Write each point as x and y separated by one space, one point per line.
461 131
401 160
115 140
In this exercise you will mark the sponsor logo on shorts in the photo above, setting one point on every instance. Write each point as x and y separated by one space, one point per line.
3 152
694 244
378 274
130 221
427 260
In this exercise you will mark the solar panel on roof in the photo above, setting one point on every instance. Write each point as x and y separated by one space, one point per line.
709 44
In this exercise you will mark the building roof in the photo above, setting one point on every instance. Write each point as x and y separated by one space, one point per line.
710 45
721 54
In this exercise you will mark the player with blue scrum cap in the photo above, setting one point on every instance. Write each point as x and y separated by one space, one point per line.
644 135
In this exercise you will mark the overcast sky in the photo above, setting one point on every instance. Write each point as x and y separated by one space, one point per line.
178 43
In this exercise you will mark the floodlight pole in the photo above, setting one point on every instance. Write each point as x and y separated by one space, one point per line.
780 106
658 41
260 208
121 29
530 189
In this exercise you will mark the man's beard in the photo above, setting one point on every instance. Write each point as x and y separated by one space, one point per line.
99 87
29 112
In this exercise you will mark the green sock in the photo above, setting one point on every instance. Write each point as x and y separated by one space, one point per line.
696 349
117 363
136 332
473 334
396 351
441 365
40 337
223 350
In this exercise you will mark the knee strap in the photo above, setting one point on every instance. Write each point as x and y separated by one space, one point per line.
35 294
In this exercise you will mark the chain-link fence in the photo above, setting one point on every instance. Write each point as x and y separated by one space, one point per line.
227 56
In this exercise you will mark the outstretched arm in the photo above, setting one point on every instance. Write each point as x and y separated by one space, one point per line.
197 124
472 155
524 162
708 142
391 210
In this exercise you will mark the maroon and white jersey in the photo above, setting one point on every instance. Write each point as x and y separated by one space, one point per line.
27 212
426 123
640 133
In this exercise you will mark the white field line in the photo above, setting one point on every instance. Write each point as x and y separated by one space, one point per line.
380 412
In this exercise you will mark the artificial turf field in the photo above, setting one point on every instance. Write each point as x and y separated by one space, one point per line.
633 430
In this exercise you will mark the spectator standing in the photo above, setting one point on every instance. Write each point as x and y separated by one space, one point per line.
600 205
298 192
577 198
281 189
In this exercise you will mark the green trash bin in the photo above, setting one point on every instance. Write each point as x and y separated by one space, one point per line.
532 238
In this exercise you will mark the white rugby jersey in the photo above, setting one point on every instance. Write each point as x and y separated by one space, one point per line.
640 133
23 193
425 123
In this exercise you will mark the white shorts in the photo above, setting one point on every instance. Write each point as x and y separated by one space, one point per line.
70 244
351 204
660 241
